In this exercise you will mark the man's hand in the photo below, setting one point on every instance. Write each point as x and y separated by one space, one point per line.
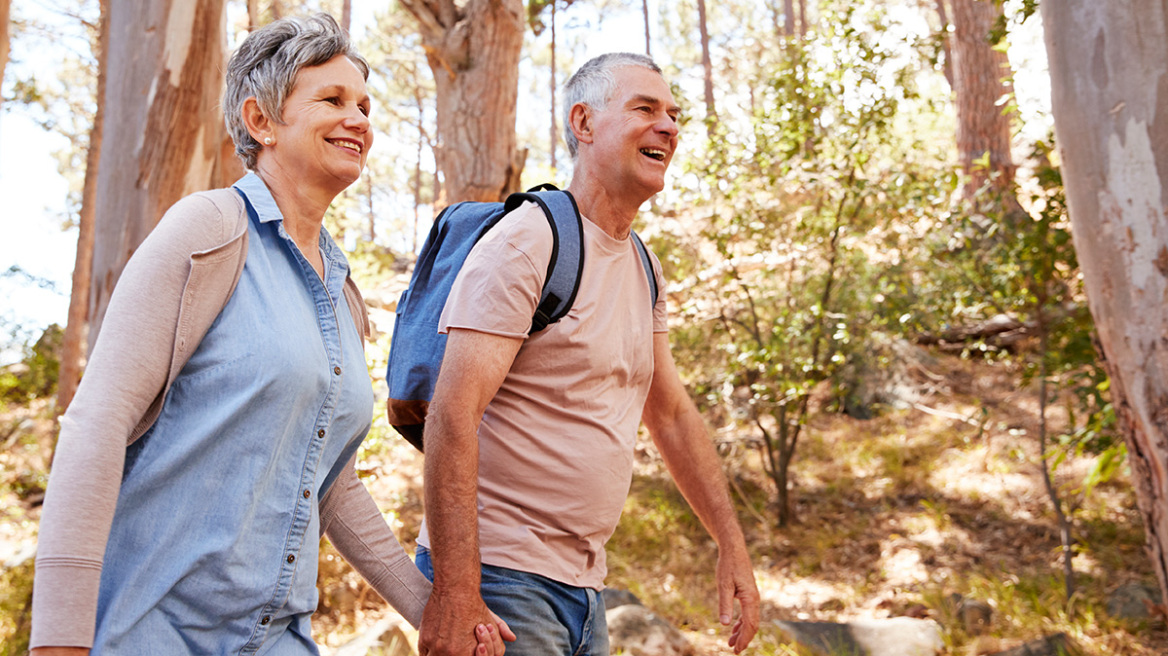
460 624
60 651
736 581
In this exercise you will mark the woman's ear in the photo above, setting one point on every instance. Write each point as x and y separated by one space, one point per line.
580 119
259 126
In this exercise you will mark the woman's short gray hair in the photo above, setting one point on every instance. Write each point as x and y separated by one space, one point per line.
266 65
594 84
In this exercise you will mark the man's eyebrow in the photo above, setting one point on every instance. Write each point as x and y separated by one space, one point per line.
654 101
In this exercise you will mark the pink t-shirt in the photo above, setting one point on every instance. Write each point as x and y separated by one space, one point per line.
556 442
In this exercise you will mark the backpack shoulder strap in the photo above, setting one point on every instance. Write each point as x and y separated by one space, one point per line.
646 262
567 261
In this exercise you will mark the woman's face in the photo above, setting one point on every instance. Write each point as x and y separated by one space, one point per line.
326 136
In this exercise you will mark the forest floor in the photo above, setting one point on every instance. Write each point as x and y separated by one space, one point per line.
893 515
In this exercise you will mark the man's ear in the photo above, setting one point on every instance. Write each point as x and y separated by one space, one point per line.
580 119
258 124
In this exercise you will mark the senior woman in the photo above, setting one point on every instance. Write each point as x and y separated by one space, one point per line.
213 438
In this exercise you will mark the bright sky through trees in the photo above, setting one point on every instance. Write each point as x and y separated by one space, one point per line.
34 191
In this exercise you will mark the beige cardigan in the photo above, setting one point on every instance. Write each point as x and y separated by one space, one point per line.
165 301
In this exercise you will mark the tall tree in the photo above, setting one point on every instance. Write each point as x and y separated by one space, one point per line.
645 12
554 139
789 18
473 51
947 49
981 75
77 327
162 129
707 68
5 10
1112 127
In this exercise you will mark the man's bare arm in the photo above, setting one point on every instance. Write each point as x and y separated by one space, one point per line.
474 366
682 438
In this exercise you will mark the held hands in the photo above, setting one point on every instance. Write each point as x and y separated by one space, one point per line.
460 624
736 581
60 651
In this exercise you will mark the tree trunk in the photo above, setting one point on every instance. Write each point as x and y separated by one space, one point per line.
802 18
788 18
980 74
253 15
5 11
72 347
163 134
347 15
947 65
473 52
555 137
418 168
645 12
1111 118
707 69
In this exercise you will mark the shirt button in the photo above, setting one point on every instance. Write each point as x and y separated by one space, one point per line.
337 370
307 493
291 558
320 433
266 618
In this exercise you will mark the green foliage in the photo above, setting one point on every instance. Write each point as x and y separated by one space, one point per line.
802 254
1023 265
35 376
15 608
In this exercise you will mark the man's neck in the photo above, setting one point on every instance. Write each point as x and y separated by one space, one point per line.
612 213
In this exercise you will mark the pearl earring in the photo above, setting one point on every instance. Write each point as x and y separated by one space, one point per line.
267 141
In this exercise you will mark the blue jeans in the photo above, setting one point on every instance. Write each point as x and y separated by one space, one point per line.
550 618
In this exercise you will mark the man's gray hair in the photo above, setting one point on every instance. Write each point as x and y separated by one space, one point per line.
266 65
594 84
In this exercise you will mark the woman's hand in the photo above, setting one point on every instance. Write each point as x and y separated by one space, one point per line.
60 651
491 637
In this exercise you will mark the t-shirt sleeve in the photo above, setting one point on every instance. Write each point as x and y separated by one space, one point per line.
660 310
498 288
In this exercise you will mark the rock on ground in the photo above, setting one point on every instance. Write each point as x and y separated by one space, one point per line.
898 636
638 632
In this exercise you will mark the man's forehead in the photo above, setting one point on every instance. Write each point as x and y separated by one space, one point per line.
636 84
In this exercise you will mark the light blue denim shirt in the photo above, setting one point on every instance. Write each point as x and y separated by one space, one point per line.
213 548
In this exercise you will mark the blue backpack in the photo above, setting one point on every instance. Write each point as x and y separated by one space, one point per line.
416 351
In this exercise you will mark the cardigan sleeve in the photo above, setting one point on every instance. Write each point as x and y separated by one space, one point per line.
127 373
355 526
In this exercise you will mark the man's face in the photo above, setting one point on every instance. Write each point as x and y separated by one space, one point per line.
635 136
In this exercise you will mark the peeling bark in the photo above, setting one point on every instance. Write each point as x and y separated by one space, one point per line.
1109 65
163 128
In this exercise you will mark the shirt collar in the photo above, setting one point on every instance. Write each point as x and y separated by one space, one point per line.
260 199
258 196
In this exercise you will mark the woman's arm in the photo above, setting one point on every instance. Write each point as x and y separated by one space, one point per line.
126 374
355 526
